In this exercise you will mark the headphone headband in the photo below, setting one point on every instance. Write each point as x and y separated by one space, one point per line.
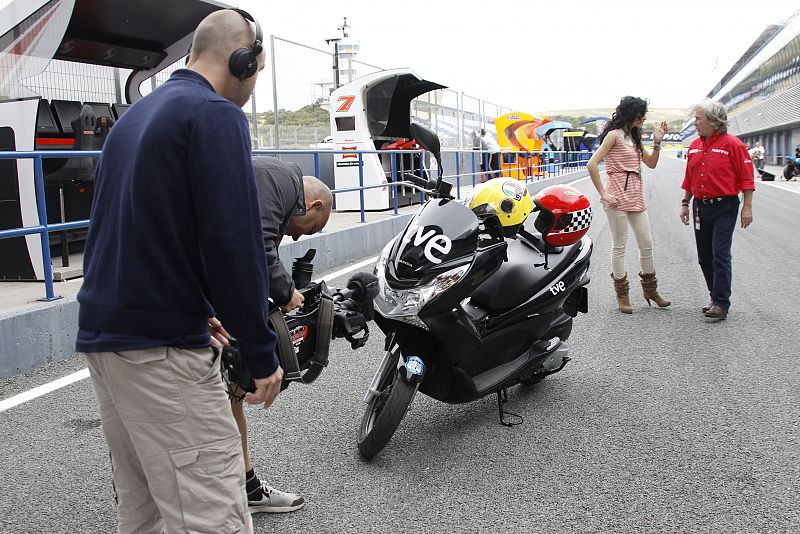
243 62
257 45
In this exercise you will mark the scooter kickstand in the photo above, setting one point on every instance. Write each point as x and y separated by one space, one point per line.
502 398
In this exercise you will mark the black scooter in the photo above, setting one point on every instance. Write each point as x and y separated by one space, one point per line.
467 312
792 168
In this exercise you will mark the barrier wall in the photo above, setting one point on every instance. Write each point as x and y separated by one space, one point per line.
45 332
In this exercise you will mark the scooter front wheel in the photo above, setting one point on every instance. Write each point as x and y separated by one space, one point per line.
384 412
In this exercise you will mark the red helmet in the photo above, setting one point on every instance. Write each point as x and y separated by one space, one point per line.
565 214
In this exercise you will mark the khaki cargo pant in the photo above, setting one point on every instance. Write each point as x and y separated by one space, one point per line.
175 450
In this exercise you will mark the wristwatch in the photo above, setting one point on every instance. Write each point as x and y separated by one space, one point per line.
685 202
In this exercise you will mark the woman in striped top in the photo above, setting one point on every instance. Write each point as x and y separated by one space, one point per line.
622 195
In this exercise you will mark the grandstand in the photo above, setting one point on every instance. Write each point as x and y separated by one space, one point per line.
762 91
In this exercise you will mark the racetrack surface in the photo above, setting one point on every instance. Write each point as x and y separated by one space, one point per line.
661 422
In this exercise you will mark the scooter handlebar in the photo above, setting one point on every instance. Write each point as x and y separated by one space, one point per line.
418 181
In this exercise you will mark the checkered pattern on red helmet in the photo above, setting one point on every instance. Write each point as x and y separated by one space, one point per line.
581 220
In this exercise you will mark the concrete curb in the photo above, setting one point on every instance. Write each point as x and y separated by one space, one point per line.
36 336
45 332
342 246
535 187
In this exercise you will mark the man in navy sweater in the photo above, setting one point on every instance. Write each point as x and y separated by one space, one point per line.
174 242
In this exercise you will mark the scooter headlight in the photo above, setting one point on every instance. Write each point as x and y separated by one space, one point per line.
405 304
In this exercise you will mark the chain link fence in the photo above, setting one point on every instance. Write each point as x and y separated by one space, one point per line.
302 77
296 82
67 80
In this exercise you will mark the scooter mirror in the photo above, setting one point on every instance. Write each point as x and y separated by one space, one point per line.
426 138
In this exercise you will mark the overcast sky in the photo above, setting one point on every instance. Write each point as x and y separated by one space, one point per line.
540 56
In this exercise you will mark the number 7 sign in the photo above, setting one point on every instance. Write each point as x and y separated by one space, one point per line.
346 102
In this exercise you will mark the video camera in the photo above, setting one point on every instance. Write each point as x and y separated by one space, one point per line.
304 336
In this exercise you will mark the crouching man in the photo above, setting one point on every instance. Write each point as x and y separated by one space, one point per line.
296 205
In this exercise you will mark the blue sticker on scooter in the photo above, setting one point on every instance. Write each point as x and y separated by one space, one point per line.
415 365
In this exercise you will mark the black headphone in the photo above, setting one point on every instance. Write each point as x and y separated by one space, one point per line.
243 62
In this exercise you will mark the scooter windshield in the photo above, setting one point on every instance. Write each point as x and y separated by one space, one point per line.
442 235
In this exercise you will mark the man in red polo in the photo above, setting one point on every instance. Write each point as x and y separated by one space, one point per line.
718 168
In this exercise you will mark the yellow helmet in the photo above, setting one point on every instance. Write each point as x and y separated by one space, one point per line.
508 198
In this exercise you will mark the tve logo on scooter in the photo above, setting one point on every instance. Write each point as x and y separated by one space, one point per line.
436 242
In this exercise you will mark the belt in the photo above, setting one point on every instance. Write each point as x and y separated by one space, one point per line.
713 200
628 175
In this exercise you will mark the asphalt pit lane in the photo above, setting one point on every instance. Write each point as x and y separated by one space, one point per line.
82 425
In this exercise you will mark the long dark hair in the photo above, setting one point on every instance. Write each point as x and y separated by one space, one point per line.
630 107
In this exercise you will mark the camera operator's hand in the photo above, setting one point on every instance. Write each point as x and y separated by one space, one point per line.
296 302
219 336
266 389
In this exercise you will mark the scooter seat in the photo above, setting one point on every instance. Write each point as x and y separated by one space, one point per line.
519 278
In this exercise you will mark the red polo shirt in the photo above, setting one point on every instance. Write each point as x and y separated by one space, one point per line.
717 167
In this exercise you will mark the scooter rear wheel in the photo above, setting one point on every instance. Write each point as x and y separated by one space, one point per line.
384 413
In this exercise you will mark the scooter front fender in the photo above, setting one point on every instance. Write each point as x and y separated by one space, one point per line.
388 360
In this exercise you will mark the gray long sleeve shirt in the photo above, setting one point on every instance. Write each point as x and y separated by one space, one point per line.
280 197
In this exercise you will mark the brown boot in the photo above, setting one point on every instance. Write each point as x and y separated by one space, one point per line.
621 286
650 290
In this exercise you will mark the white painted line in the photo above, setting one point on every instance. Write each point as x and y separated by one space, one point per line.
779 186
346 270
77 376
31 394
578 180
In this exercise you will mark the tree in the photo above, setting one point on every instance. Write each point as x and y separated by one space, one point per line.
310 115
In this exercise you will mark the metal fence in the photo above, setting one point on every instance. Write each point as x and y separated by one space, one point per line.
68 80
463 169
301 76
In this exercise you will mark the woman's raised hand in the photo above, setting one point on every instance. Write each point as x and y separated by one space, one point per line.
658 135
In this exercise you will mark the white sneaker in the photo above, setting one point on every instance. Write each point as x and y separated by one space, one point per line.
274 501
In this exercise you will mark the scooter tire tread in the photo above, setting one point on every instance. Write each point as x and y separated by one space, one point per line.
388 420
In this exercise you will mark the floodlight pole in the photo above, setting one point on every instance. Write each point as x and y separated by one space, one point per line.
275 93
335 41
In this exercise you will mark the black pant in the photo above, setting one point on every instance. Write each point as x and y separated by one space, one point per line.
713 239
491 162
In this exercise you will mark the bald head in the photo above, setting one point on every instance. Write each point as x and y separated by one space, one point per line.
215 39
319 202
315 189
219 34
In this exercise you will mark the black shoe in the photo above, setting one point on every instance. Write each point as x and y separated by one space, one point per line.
715 312
708 307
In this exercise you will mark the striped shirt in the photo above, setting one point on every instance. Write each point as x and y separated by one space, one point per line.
624 170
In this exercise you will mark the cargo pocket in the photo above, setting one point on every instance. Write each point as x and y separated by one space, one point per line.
211 486
145 388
